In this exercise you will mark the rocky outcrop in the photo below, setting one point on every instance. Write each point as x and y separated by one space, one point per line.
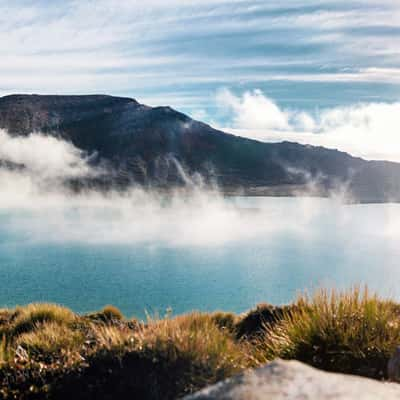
149 145
292 380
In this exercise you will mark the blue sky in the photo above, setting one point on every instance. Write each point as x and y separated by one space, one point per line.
299 60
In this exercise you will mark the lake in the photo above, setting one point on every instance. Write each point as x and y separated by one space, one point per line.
207 255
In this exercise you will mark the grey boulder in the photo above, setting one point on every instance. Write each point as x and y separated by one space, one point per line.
292 380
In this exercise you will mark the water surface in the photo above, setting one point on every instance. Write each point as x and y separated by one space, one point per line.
302 244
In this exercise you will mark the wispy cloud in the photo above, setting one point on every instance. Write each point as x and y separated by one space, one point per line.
315 53
172 37
369 130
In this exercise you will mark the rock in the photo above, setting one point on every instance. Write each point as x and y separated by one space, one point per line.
394 366
292 380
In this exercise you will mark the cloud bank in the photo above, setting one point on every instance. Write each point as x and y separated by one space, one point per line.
369 130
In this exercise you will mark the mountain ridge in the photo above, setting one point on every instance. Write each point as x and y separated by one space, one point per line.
139 142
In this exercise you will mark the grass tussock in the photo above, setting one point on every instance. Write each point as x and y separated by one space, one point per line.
351 332
107 314
25 319
48 352
68 356
198 339
50 341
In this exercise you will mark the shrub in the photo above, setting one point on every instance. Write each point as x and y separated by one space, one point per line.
255 321
350 332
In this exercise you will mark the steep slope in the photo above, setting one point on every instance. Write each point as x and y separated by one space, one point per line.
142 144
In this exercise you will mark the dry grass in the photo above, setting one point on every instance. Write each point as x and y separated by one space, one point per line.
48 352
51 341
25 319
351 332
197 337
107 314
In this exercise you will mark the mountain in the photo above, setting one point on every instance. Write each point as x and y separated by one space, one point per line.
153 145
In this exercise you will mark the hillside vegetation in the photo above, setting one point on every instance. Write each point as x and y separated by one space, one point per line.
49 352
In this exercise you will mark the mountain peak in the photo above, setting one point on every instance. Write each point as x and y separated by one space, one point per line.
139 142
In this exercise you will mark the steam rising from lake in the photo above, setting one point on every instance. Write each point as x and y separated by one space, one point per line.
36 206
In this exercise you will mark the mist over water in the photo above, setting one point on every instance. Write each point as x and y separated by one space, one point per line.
268 253
44 211
191 249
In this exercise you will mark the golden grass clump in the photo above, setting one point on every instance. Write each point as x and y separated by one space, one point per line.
26 318
50 341
5 352
351 332
158 360
109 337
225 320
191 350
196 335
108 314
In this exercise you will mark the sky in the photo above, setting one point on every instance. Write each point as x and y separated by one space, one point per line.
322 72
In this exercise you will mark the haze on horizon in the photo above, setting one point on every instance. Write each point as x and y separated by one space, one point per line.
325 73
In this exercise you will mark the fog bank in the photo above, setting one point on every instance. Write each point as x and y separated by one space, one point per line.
36 206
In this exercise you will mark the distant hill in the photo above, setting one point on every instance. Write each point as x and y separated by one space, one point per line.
142 144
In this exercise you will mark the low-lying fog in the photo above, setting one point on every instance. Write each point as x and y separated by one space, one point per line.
34 202
192 249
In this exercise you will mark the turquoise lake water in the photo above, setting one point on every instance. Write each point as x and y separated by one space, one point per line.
275 248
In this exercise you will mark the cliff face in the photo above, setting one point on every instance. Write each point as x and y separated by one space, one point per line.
141 143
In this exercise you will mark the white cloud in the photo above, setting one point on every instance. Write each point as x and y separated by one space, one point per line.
370 130
254 108
44 157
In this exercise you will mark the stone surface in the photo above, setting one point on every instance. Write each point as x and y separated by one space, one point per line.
292 380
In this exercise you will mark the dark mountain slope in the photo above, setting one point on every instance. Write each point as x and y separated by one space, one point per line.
140 143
